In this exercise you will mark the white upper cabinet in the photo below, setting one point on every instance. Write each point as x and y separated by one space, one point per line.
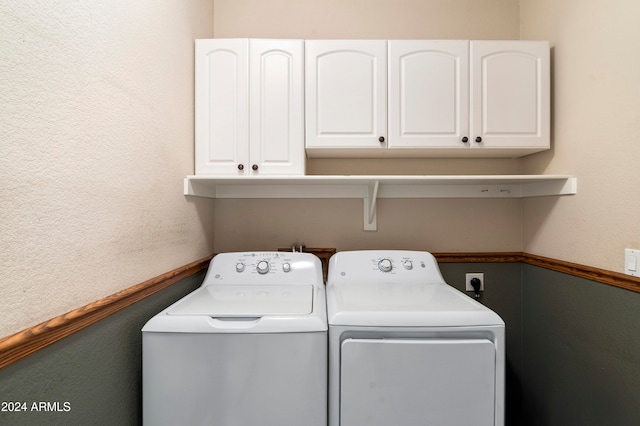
428 93
346 95
249 107
276 110
510 92
445 98
221 105
260 102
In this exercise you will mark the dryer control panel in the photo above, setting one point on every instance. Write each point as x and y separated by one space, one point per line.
389 266
264 268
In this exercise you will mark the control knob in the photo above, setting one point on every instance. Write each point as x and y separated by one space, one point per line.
239 267
286 267
385 265
408 265
262 267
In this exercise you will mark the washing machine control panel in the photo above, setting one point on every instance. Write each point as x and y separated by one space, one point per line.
264 268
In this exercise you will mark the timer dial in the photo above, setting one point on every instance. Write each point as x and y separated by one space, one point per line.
385 265
262 267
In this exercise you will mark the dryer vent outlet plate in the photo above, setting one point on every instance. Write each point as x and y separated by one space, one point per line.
470 276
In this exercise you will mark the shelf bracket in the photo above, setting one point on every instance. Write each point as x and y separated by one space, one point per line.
370 207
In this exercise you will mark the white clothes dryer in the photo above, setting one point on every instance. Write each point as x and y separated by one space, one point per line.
247 348
405 348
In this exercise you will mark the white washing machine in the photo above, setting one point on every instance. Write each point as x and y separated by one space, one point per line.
405 348
247 348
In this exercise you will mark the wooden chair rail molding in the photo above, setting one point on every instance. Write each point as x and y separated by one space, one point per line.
22 344
603 276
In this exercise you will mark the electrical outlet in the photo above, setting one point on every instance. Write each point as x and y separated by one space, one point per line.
478 275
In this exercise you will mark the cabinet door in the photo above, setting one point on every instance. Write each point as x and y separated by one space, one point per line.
222 106
276 107
428 93
346 88
510 94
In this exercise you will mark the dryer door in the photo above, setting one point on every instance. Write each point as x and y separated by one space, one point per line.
417 382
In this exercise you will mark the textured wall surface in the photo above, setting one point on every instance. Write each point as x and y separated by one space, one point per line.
96 131
368 19
434 225
596 105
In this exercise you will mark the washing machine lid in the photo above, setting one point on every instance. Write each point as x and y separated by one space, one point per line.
407 305
246 301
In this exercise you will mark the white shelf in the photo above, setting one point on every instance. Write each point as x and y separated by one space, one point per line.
370 188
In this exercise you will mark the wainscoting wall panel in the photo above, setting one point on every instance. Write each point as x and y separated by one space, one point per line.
581 351
96 370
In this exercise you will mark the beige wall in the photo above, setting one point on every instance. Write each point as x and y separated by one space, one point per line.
595 110
437 225
596 120
96 130
434 225
367 19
